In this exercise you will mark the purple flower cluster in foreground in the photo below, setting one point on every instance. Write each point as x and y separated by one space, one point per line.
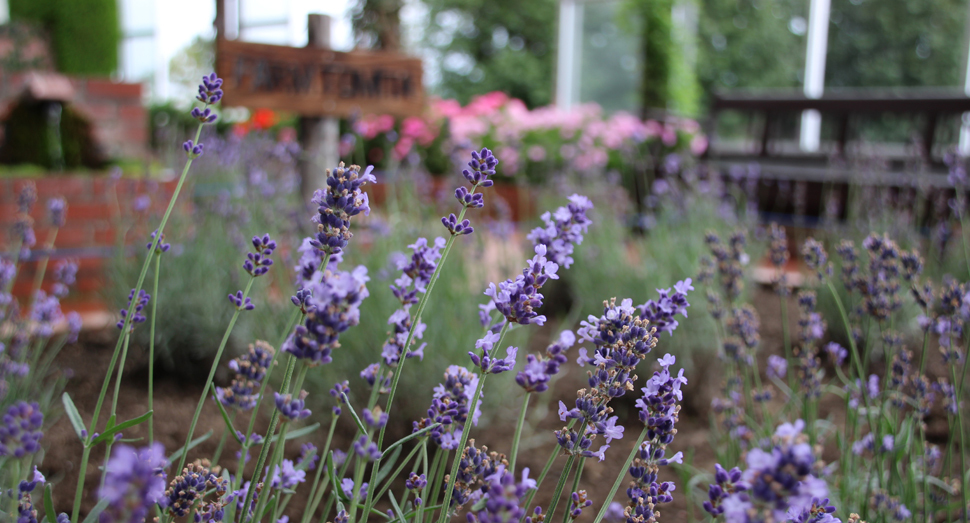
139 306
416 273
450 407
778 484
564 229
538 370
480 167
258 263
338 203
20 430
333 307
250 369
292 408
134 481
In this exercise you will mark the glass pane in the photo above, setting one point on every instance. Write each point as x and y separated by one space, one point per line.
610 63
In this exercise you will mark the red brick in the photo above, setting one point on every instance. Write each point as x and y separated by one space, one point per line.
85 265
86 211
89 284
109 89
103 113
6 191
72 188
105 237
132 113
70 236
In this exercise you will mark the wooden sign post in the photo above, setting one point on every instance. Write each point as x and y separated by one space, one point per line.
319 84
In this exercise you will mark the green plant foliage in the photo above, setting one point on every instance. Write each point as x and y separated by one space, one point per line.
31 140
896 43
494 45
84 33
748 43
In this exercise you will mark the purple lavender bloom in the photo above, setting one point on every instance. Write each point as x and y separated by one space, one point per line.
309 454
517 299
286 477
661 312
240 302
136 315
162 246
564 229
488 363
347 486
342 200
455 227
659 411
450 407
20 431
415 481
776 483
777 367
134 481
193 150
816 258
837 353
74 325
210 90
375 418
539 370
65 275
250 369
46 312
333 308
367 449
416 275
203 115
27 197
258 262
292 408
502 497
190 487
301 299
370 375
57 211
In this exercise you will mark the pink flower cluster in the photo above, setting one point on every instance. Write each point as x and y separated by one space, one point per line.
582 139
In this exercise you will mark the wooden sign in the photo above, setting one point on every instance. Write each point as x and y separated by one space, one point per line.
319 82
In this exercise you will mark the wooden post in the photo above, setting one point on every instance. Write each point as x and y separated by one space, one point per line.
319 137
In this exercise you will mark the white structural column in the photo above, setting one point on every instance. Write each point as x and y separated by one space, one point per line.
4 12
818 39
963 148
568 62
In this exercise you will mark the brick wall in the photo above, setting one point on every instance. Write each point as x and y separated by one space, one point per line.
114 109
93 227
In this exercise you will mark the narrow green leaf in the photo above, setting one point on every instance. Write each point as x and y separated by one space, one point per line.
360 424
389 465
96 511
73 415
397 508
111 422
108 434
178 453
332 472
225 416
411 436
309 429
49 503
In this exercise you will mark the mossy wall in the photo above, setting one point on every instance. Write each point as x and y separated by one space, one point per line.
84 33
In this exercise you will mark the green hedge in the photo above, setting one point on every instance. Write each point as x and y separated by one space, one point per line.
84 33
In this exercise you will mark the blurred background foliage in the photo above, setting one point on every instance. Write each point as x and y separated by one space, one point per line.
84 33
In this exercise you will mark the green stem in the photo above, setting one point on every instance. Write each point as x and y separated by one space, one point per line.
619 478
151 349
127 323
545 470
266 444
78 492
430 492
400 468
218 453
461 448
314 497
576 478
212 375
551 512
518 432
963 446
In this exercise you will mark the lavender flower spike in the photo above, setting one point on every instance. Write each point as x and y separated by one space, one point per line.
20 429
240 303
338 203
564 229
139 306
258 263
134 481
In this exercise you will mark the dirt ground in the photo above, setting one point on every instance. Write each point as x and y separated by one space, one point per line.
175 401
